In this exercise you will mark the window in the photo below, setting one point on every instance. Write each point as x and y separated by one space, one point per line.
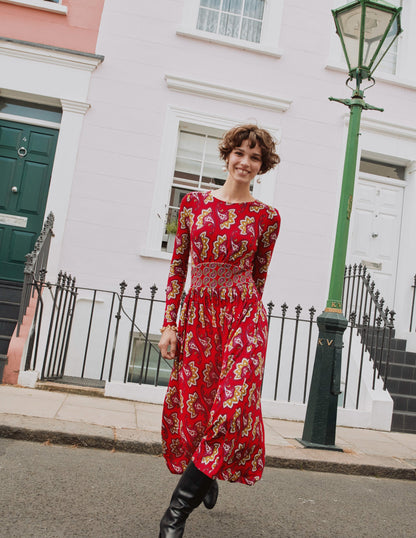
197 168
389 62
249 24
383 169
54 6
241 19
146 363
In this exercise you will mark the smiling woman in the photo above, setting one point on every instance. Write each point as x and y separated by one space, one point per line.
212 425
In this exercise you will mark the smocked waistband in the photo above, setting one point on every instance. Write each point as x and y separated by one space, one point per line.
219 275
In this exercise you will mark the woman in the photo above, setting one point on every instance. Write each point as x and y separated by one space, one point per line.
212 425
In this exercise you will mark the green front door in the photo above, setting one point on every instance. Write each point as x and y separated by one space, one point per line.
26 159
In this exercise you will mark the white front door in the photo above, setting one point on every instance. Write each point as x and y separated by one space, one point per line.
374 238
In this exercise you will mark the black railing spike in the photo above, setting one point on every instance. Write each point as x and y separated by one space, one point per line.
372 286
298 310
354 269
386 311
381 303
312 312
270 307
379 319
137 290
367 277
353 317
349 270
345 271
153 291
123 286
392 314
284 308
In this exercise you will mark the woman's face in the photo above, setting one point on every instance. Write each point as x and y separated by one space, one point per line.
244 163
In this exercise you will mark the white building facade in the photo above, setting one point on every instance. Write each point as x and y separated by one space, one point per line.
178 73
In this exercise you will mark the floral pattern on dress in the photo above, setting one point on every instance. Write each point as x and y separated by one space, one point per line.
212 409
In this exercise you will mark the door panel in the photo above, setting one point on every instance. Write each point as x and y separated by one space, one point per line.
26 159
375 232
34 179
7 171
21 243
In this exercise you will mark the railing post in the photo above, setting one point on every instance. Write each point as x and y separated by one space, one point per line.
123 286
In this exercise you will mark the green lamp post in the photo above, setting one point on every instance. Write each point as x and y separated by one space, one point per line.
367 29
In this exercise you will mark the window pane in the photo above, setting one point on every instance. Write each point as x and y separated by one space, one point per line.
232 6
215 4
254 9
382 169
251 30
30 110
207 20
229 25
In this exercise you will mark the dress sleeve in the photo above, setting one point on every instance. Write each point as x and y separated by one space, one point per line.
179 263
268 234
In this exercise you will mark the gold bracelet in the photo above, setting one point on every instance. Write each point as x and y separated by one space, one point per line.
171 327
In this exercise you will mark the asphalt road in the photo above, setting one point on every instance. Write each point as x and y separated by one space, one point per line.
59 491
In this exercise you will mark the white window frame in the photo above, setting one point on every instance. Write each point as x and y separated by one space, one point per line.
405 68
175 117
272 20
43 5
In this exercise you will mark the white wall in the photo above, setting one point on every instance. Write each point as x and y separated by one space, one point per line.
120 151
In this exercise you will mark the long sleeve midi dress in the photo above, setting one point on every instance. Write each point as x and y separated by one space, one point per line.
212 410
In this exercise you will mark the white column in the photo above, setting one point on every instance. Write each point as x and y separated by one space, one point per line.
62 175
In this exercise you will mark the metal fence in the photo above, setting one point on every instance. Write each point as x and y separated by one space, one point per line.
412 309
99 335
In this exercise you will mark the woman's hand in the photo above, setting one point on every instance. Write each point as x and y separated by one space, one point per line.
167 343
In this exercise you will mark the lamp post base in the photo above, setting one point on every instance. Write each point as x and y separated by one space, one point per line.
321 413
307 444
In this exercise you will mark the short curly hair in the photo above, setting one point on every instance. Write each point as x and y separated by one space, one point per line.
234 138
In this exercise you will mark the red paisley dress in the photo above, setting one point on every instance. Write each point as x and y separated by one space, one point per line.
212 410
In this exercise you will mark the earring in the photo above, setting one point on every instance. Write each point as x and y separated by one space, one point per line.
258 179
225 167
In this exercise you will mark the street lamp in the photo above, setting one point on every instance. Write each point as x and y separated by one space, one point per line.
367 29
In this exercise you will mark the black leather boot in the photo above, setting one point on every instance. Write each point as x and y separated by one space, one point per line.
211 497
189 493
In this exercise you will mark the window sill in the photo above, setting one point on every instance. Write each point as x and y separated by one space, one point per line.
157 254
230 42
39 4
382 77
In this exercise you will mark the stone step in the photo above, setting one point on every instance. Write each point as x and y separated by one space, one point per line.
7 326
400 371
9 309
403 421
403 387
404 403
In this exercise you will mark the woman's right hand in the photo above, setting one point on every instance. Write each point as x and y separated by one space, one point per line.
168 343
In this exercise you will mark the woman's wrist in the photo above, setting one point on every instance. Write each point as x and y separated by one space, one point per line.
171 327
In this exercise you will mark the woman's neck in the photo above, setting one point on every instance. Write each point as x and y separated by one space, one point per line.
232 193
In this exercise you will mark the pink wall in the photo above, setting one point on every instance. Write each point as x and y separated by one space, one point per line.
78 30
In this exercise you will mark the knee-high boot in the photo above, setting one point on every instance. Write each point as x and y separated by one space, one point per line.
189 493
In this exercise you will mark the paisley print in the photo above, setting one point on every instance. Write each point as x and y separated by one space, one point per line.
212 409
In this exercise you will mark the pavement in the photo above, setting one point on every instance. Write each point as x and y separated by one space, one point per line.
60 414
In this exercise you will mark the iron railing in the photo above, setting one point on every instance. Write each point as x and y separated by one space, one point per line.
412 309
366 309
101 335
35 267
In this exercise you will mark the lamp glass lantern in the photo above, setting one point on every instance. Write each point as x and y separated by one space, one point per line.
367 29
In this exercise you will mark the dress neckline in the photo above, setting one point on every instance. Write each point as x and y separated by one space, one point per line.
231 203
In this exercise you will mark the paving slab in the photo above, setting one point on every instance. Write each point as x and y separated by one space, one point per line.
108 423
